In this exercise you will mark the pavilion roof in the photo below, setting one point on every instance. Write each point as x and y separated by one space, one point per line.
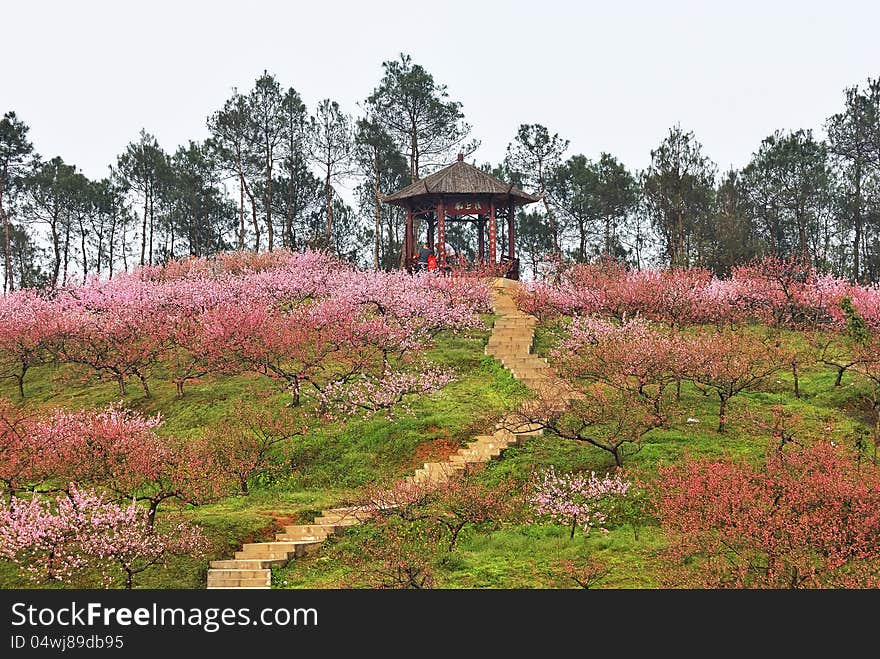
460 178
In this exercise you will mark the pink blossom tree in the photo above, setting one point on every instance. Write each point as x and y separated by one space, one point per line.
612 420
84 531
632 356
808 517
26 330
576 499
730 362
253 442
369 395
119 451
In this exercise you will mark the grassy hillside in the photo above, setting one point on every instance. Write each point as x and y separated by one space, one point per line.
335 460
331 462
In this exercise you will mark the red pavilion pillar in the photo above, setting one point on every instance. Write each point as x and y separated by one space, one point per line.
511 236
481 239
493 233
441 233
408 241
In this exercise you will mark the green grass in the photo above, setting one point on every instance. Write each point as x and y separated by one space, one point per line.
334 461
529 555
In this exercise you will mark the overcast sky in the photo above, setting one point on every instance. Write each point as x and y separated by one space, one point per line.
612 76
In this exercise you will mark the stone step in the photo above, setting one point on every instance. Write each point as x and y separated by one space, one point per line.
512 347
513 322
346 510
521 428
536 383
498 436
502 353
245 564
530 370
239 574
524 371
240 583
514 333
268 555
337 521
489 441
307 531
532 379
512 351
522 359
437 467
480 455
275 546
425 477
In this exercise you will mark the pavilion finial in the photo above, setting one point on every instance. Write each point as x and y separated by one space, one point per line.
460 157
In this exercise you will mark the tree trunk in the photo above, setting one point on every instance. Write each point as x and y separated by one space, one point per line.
179 383
722 412
857 221
66 252
144 385
152 222
144 230
120 380
270 231
794 372
607 235
287 235
455 533
839 378
551 219
582 242
8 284
241 211
151 513
255 222
295 392
56 248
377 209
20 379
82 244
679 248
328 191
124 250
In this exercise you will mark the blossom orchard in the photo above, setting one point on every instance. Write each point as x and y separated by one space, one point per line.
300 319
334 338
770 291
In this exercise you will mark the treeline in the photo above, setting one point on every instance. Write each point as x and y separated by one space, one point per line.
269 173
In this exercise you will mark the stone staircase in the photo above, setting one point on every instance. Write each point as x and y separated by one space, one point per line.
510 343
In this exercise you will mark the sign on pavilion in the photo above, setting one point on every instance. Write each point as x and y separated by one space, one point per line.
462 193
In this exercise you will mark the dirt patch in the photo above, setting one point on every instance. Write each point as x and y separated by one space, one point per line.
436 450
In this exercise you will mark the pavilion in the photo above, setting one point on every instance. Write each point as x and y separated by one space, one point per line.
462 193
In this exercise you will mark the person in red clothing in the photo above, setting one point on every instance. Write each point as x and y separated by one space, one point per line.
432 262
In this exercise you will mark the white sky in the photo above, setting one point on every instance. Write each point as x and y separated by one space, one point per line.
610 76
